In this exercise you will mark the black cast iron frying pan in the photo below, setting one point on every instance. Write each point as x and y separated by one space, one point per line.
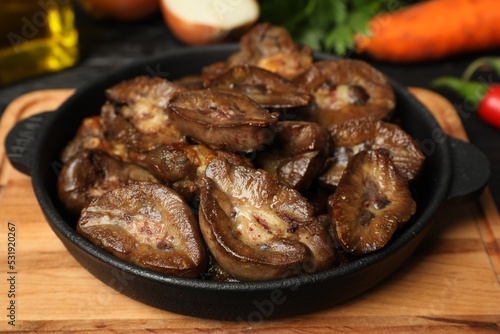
453 169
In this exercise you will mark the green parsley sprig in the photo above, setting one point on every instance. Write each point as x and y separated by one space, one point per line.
326 25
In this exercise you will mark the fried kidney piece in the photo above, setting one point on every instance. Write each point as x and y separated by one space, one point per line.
91 136
135 113
268 89
91 173
256 228
352 136
190 82
297 155
222 119
149 225
182 165
269 47
345 89
370 203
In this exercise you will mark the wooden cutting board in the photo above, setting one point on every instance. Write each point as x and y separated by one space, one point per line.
450 285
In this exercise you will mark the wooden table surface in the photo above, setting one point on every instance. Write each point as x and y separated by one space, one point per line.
450 285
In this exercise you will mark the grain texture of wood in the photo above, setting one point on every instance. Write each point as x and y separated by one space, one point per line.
450 285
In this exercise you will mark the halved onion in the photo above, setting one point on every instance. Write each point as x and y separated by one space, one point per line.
198 22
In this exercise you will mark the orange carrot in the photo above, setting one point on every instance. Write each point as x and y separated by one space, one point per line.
433 30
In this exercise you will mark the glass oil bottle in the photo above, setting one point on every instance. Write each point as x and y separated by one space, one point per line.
36 36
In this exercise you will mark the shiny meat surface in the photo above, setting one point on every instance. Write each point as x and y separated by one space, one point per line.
346 89
149 225
182 166
222 119
371 202
297 155
268 47
134 113
91 173
353 136
257 228
264 87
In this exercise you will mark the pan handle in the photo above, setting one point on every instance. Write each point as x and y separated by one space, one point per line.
21 141
471 170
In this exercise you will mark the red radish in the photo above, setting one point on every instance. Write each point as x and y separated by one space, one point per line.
198 22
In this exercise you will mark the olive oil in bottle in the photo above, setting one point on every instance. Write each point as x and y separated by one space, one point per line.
36 36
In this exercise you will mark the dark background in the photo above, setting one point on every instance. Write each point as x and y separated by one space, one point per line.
105 46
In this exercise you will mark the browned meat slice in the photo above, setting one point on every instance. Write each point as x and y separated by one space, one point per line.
352 136
91 136
91 173
264 87
297 155
268 47
213 70
257 228
222 119
135 113
182 166
149 225
190 82
345 89
266 39
371 201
